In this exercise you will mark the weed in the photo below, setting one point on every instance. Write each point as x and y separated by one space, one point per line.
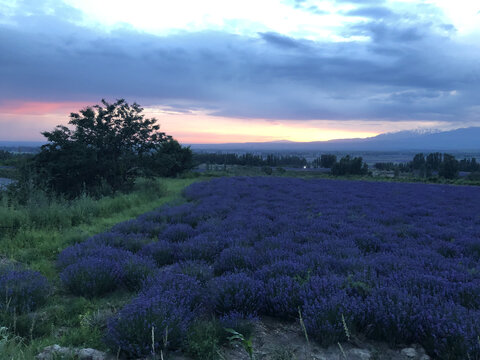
302 324
345 327
204 339
246 342
342 351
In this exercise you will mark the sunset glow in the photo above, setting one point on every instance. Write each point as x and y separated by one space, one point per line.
227 71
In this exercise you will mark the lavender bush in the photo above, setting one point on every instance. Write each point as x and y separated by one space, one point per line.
22 290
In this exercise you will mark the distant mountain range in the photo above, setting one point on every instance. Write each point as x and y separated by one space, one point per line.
465 139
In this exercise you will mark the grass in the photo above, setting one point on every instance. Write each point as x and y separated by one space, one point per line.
35 233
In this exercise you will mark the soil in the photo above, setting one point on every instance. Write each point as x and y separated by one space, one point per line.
276 340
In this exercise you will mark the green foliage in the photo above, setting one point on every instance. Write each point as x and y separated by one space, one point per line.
11 346
169 159
246 342
204 340
448 168
474 176
267 170
5 156
350 166
44 211
109 146
81 337
325 161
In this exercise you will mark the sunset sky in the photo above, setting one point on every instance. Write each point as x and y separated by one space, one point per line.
252 70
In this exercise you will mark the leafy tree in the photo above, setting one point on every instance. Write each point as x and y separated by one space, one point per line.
418 161
469 165
350 166
327 160
106 148
434 161
448 167
5 155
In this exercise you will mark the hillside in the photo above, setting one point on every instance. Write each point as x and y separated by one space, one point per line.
453 140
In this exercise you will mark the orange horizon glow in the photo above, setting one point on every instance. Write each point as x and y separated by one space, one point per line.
25 120
202 128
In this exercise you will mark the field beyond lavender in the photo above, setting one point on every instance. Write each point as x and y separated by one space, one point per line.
393 262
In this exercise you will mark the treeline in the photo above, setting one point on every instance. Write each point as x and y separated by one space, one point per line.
445 165
347 165
8 158
249 159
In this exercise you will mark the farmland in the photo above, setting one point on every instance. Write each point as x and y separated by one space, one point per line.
394 262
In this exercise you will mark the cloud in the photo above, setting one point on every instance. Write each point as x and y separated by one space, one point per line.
374 12
280 40
407 68
360 2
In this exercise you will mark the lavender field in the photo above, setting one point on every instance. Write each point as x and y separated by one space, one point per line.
396 262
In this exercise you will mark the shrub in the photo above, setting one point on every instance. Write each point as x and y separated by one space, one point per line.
199 247
326 307
237 292
178 284
22 290
177 232
236 258
267 170
77 252
200 270
168 304
290 268
92 271
282 296
137 269
93 276
131 330
163 252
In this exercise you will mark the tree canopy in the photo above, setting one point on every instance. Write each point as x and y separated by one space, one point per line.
105 148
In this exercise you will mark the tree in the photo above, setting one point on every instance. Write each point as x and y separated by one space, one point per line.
418 161
108 146
448 167
434 161
327 160
350 166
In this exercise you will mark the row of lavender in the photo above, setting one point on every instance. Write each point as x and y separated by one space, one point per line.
396 262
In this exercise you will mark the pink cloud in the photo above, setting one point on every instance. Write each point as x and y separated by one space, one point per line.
19 107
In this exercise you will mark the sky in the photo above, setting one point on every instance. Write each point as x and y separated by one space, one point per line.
216 71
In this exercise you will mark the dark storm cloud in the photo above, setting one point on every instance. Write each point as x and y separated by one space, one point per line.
280 40
402 72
